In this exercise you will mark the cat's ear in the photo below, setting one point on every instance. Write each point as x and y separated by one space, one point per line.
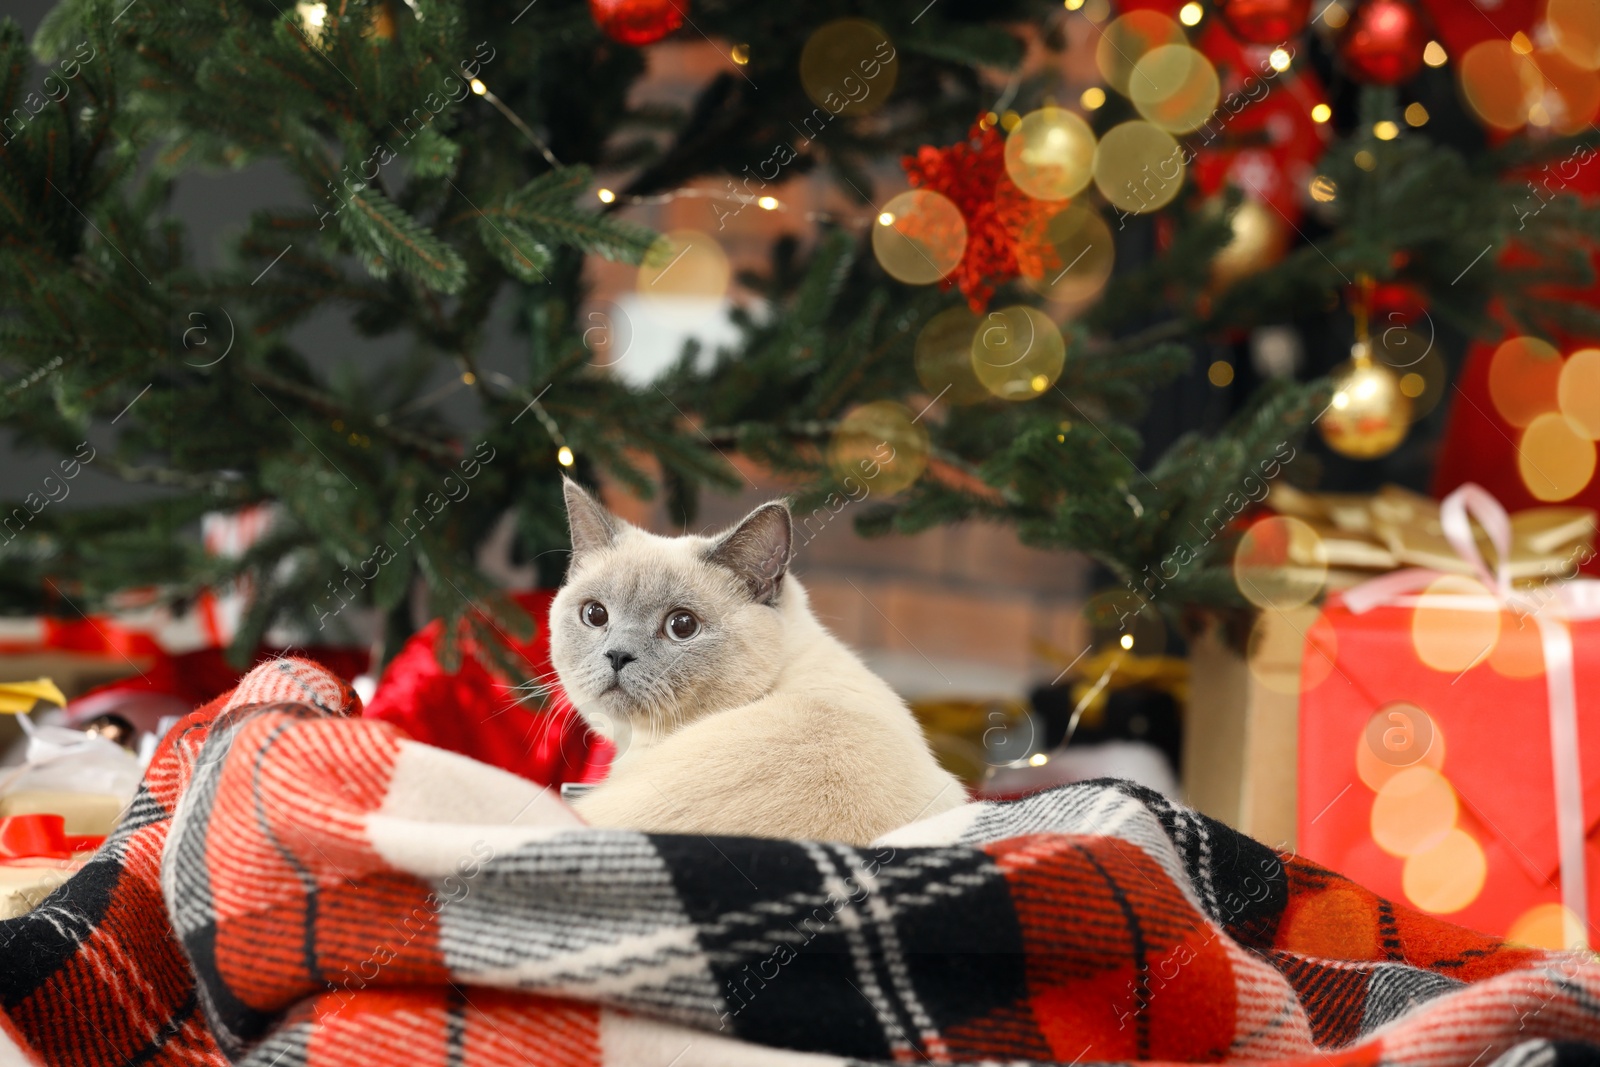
757 550
591 525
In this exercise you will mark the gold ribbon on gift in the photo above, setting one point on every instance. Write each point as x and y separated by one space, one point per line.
1569 599
19 697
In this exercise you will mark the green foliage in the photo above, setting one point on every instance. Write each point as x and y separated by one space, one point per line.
420 207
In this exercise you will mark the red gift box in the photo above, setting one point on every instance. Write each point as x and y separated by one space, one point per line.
1427 767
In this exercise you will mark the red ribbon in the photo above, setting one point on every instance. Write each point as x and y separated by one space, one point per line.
42 836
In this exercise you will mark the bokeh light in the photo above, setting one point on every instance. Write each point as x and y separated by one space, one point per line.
1555 461
684 263
1519 651
1572 94
1082 254
1412 355
1499 83
1175 87
1413 812
1138 166
849 66
1578 392
880 445
1126 40
1447 877
1550 925
1018 352
943 357
1398 736
1450 631
919 237
1575 27
1524 379
1280 564
1050 155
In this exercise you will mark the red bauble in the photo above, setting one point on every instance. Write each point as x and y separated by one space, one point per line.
1383 42
1396 304
1264 21
637 22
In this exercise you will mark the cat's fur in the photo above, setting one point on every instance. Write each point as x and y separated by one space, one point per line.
762 723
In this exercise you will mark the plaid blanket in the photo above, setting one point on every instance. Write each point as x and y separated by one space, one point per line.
294 886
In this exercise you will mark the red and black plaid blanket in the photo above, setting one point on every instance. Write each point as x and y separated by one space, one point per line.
295 886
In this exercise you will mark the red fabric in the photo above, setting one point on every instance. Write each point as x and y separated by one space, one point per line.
1495 754
475 712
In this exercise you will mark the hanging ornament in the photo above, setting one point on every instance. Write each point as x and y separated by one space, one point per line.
1396 304
1383 42
1369 414
1007 231
1259 240
1263 21
637 22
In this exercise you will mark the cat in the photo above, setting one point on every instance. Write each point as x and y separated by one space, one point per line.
733 709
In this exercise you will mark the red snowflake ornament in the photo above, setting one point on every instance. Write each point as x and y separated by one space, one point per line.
1005 226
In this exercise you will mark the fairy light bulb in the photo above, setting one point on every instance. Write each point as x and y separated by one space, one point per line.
564 456
478 87
606 196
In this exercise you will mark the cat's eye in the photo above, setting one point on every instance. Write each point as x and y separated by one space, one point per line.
594 613
682 625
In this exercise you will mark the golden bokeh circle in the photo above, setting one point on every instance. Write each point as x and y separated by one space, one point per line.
1368 415
684 263
1447 877
1259 239
1018 352
1555 460
1519 652
1552 925
849 66
1138 166
1127 39
1175 87
1499 83
1413 811
1572 94
1524 379
919 237
1292 651
1450 630
1379 746
943 357
1050 154
880 445
1082 254
1575 26
1578 392
1280 564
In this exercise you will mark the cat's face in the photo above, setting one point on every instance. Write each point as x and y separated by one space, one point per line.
650 633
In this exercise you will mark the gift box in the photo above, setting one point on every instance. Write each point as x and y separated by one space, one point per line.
1449 750
37 854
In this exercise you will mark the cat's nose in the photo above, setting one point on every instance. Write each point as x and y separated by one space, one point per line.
620 660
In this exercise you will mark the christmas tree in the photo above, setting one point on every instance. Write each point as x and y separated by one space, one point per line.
1024 255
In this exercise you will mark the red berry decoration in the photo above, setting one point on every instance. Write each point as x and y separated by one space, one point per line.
637 22
1383 42
1263 21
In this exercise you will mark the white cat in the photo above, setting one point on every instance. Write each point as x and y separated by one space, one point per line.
735 711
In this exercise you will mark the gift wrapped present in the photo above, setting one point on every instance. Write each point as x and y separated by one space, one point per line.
1449 727
37 853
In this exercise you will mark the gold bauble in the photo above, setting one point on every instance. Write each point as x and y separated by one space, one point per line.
1368 415
1259 239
